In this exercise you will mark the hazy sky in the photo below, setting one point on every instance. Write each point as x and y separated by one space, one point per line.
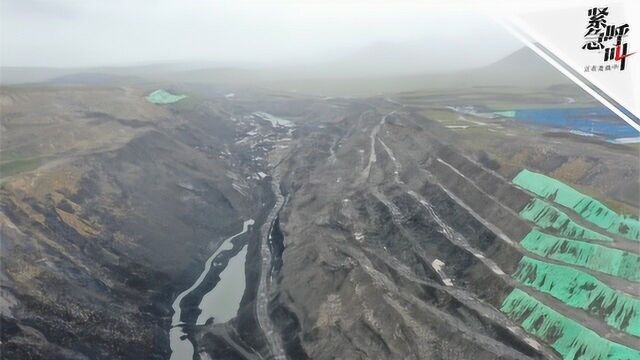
70 33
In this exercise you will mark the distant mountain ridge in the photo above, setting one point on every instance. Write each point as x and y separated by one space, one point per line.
359 74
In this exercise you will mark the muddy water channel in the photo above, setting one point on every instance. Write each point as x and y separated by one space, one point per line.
221 303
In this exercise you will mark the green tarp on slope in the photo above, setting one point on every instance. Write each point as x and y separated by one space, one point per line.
547 216
583 291
570 339
592 256
163 97
589 208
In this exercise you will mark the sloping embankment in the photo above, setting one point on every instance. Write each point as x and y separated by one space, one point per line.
578 235
569 338
589 208
580 290
599 258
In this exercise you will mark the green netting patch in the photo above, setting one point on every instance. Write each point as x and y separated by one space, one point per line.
599 258
589 208
581 290
161 96
569 338
548 216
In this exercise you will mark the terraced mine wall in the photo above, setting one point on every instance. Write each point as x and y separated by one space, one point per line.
478 236
484 205
473 275
566 336
512 197
599 258
580 290
557 236
459 261
589 208
547 219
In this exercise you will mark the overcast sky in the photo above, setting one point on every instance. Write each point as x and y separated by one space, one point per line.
73 33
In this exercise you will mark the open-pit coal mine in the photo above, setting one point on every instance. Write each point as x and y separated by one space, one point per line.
190 223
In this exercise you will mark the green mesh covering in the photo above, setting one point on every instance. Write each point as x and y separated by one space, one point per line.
592 256
589 208
547 216
581 290
163 97
570 339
